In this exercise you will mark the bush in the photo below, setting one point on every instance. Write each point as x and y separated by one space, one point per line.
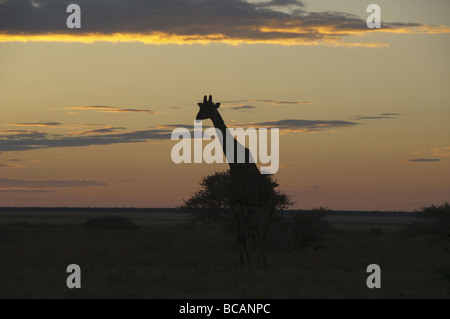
436 219
109 222
211 204
433 220
292 230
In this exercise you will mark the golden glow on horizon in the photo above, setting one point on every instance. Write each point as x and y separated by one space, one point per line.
331 36
161 38
333 31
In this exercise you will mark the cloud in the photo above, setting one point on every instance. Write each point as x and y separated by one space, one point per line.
441 151
241 105
285 22
58 183
391 114
10 165
237 107
24 190
190 127
272 102
286 165
298 125
382 116
11 134
42 124
423 160
105 130
20 160
32 140
110 109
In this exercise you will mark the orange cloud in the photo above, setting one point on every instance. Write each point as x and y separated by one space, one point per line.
441 151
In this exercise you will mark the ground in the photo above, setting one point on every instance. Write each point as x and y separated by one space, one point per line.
170 258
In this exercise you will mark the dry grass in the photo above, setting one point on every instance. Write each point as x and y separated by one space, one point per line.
175 261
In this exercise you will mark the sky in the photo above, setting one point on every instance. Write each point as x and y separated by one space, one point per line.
86 114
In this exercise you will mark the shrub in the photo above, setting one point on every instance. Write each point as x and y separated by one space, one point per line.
436 219
291 230
211 204
433 220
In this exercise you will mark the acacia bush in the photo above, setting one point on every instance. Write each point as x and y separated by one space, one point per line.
295 229
210 206
433 220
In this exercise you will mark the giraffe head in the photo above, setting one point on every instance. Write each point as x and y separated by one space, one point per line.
207 109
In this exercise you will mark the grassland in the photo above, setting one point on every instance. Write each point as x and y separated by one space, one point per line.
178 260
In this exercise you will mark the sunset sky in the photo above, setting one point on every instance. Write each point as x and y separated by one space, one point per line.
86 114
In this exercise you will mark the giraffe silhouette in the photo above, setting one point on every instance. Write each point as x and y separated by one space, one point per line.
251 194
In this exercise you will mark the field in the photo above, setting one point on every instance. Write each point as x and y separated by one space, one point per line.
168 257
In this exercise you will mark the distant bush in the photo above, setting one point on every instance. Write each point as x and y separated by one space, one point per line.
298 228
109 222
433 220
436 218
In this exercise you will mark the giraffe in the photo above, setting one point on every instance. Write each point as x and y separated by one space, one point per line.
252 197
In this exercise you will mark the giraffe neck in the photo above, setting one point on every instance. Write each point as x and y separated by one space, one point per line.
220 124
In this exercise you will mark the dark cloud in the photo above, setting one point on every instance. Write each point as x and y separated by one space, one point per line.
106 130
239 107
175 21
37 140
44 124
373 117
31 184
391 114
188 126
272 102
20 190
110 109
423 160
382 116
297 125
16 134
9 165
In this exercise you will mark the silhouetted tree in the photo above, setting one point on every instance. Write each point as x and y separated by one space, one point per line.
434 221
212 202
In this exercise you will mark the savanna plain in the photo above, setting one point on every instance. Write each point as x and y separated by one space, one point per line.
167 254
